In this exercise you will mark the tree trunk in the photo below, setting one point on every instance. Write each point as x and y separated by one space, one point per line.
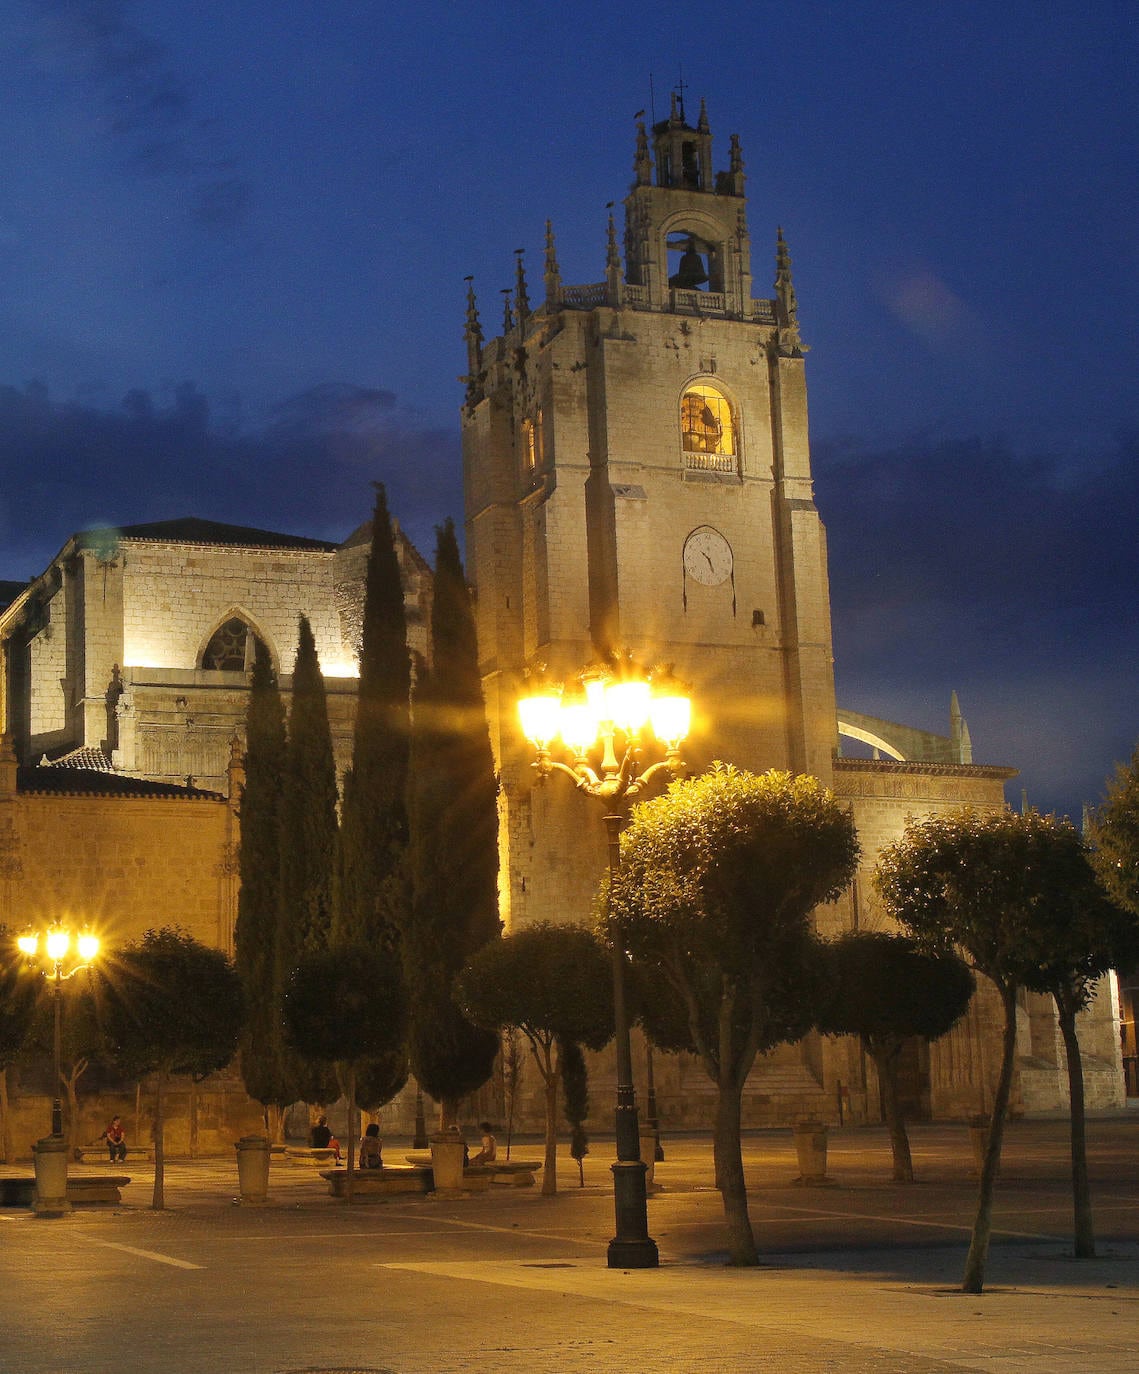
886 1062
275 1123
69 1080
1084 1236
550 1073
193 1118
350 1093
983 1224
158 1201
448 1113
5 1120
730 1174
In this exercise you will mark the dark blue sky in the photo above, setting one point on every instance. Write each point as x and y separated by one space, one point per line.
233 239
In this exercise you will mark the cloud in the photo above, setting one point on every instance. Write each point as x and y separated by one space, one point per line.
152 116
926 306
160 456
969 565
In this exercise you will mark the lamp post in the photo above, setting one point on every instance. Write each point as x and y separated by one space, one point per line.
610 713
57 941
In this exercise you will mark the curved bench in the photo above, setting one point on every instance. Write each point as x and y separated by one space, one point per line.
386 1182
81 1188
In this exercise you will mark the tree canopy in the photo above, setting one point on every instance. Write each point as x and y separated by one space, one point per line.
1115 836
886 989
553 983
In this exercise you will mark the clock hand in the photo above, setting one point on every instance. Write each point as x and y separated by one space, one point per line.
708 561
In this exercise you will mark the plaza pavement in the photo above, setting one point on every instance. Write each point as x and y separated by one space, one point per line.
859 1276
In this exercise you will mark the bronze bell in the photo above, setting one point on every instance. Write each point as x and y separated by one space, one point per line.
690 274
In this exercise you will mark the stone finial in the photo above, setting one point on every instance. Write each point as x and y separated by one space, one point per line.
473 330
702 125
642 162
552 275
959 732
521 296
507 316
473 335
736 176
786 307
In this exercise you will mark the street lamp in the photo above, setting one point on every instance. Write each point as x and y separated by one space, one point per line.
57 941
607 713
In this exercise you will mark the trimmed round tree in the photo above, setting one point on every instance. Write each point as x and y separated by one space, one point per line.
554 984
1013 893
170 1005
886 990
714 894
340 1009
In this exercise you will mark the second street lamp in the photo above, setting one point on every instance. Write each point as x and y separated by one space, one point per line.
608 714
57 941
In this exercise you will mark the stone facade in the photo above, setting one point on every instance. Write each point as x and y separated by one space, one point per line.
113 647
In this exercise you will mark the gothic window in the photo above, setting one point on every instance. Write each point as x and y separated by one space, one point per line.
532 442
232 647
706 424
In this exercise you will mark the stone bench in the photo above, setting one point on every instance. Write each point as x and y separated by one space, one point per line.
90 1154
510 1173
81 1188
513 1173
386 1182
310 1156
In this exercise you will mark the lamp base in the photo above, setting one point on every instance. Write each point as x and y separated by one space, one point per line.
632 1247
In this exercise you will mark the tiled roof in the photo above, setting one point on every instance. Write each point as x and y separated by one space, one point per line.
191 530
92 782
91 758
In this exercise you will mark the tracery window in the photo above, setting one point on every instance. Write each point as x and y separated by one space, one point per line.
232 647
706 424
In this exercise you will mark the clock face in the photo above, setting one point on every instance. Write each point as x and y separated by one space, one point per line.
707 556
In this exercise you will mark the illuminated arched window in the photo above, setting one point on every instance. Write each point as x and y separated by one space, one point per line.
532 440
232 647
706 424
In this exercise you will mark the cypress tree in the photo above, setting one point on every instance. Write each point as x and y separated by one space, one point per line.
371 892
308 841
454 843
258 901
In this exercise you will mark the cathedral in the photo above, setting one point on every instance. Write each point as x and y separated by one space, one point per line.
637 476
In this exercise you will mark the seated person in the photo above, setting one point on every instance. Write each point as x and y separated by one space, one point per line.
489 1145
116 1139
370 1149
321 1138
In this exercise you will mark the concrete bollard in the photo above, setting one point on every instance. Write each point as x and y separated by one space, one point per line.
50 1156
811 1148
447 1161
253 1168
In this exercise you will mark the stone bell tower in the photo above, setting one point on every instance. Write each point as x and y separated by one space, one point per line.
637 476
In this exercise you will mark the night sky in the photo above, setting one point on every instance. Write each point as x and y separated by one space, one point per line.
233 238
